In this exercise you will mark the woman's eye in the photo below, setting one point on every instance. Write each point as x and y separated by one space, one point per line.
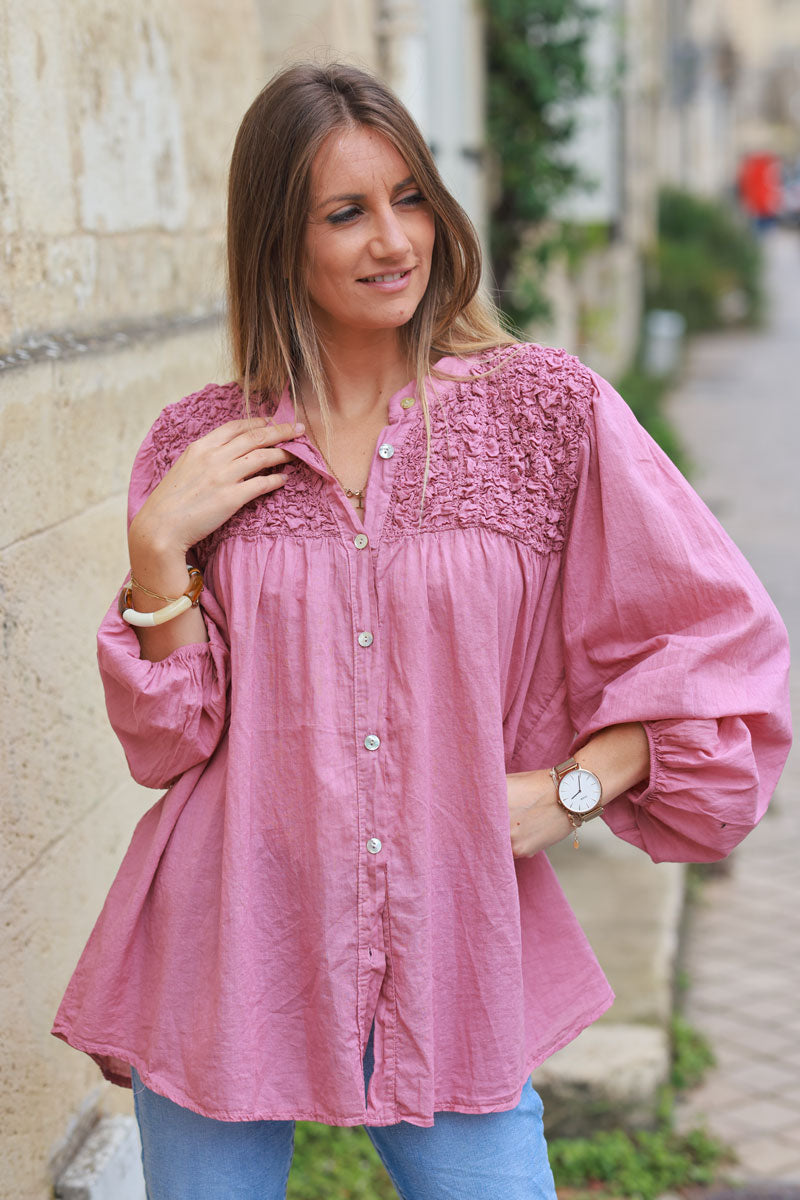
343 215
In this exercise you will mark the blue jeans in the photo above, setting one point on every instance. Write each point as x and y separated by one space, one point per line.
462 1156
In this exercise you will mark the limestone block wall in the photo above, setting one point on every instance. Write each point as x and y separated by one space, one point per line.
118 124
68 430
119 118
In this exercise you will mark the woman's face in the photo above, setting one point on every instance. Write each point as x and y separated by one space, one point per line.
369 236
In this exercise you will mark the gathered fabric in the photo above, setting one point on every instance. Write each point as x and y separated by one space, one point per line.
333 844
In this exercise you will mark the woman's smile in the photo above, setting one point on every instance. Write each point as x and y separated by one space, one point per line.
389 283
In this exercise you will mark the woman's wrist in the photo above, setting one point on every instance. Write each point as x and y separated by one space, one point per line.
160 567
619 756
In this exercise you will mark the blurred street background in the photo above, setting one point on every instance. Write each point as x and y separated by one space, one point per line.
633 169
736 409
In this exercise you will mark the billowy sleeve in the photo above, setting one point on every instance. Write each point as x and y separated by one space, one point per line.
168 715
664 622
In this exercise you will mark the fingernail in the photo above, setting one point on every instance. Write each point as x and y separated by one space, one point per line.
299 427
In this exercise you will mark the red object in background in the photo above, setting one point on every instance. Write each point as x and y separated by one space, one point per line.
760 185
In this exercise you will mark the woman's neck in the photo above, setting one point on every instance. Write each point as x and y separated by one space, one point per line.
363 372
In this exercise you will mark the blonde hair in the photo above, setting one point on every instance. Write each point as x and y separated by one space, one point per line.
272 331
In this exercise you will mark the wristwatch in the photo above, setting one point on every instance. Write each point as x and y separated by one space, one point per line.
579 792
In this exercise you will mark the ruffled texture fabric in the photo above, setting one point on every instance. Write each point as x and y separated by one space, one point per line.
504 451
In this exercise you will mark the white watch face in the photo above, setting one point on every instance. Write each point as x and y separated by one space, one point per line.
580 791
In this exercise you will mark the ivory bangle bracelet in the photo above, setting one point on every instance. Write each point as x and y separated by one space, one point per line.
145 620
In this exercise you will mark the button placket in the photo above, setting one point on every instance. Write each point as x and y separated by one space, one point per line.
370 687
379 481
368 717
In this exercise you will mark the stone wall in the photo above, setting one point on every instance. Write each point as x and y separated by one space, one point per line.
118 126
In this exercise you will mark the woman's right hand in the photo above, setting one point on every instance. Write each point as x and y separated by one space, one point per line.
208 483
204 487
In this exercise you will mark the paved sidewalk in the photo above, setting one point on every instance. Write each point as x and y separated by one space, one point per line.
738 411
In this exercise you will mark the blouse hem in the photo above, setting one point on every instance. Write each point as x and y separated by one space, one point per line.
98 1051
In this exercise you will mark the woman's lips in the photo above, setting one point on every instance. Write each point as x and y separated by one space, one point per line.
388 281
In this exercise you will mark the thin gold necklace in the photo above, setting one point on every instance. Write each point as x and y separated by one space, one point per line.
360 494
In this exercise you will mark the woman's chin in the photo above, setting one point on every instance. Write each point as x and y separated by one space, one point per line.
366 324
385 316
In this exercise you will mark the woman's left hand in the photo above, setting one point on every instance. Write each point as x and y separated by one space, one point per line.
536 818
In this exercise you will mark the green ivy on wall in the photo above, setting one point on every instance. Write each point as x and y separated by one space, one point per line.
536 66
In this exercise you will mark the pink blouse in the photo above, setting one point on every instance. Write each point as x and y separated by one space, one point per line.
333 844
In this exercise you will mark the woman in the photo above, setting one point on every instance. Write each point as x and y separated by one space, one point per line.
461 609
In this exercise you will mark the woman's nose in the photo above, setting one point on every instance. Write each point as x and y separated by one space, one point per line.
389 238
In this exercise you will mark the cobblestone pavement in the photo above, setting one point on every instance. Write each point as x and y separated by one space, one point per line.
738 411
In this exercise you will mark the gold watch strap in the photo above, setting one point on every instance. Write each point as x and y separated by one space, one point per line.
596 812
578 819
558 773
